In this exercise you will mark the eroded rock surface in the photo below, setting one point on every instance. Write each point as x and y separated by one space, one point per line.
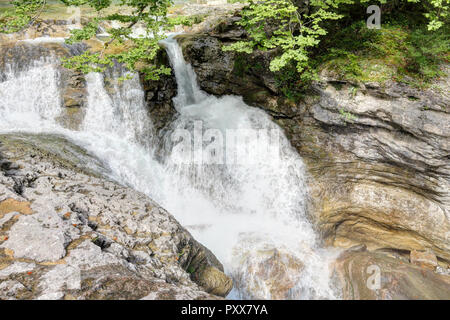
66 232
380 276
380 166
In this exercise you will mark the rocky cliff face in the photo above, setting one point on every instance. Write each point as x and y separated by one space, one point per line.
159 95
66 232
378 154
380 163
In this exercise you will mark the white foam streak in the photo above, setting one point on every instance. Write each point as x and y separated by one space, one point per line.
47 39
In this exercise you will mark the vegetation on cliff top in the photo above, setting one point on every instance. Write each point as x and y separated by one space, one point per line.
141 51
401 51
310 36
306 36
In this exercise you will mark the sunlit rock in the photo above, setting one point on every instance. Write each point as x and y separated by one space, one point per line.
424 259
80 236
378 276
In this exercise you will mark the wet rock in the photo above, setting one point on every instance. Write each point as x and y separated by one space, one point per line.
270 274
49 248
204 268
222 73
214 281
279 272
159 95
376 276
380 168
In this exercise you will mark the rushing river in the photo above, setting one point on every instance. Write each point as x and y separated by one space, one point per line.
250 210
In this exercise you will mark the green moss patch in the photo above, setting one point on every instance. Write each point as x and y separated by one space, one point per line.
397 51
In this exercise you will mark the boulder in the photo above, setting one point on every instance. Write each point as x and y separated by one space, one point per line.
213 280
269 274
68 232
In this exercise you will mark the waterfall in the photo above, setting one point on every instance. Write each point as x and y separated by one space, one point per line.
188 90
249 212
121 112
228 174
29 99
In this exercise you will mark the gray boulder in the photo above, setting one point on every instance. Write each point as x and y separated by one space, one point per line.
67 232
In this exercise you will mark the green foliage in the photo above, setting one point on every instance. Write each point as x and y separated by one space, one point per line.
293 30
347 116
87 32
427 51
190 270
437 12
140 53
185 20
241 65
290 82
400 50
21 15
278 24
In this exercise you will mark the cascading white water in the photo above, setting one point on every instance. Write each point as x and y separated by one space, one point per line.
30 99
119 113
251 213
244 210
